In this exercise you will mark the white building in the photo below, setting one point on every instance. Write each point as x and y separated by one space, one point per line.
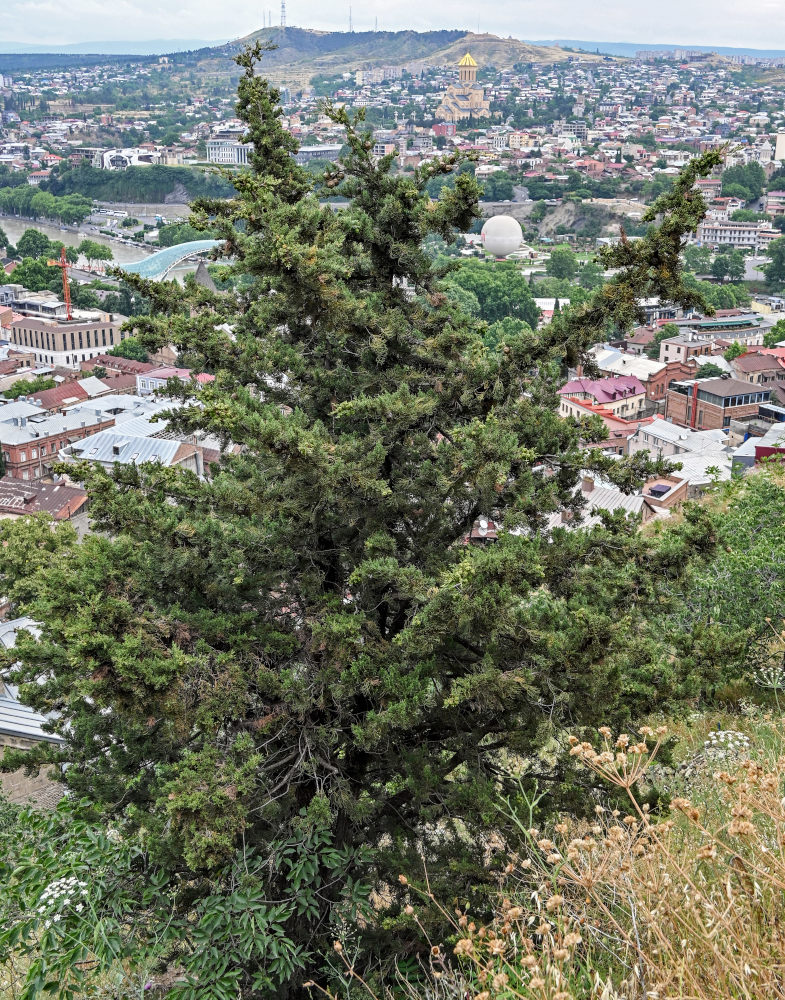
757 235
228 152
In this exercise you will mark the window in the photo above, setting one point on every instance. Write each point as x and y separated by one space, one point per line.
25 474
22 456
33 453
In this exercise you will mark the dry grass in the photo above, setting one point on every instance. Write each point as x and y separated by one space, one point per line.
690 906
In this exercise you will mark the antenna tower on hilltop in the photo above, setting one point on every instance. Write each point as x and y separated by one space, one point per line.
351 29
283 13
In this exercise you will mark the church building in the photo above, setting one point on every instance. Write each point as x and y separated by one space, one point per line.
465 99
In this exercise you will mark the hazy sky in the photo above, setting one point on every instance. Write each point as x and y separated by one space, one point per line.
754 23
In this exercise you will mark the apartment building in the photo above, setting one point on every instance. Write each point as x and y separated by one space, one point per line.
709 404
757 235
66 343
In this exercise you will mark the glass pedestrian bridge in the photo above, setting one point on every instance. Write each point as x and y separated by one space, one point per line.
158 265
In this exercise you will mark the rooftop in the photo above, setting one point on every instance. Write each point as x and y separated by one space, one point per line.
604 390
18 497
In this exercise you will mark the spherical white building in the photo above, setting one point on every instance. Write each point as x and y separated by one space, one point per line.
502 235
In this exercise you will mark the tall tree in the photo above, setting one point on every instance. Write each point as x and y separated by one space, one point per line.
293 676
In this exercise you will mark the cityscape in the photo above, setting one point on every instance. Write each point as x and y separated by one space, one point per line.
392 428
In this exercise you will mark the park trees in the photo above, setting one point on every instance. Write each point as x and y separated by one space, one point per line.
775 334
747 181
33 243
500 289
562 263
775 269
94 251
292 677
591 275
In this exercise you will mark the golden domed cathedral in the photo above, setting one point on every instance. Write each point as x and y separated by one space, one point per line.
466 99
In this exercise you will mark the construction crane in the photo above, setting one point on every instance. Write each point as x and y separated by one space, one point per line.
64 265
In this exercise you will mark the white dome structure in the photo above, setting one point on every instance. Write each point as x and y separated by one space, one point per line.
502 235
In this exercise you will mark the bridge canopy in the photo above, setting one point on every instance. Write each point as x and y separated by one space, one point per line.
158 265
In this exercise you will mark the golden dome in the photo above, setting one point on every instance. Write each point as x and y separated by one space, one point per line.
467 61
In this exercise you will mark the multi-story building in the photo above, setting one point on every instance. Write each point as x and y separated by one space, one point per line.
228 152
757 235
623 396
31 439
57 341
709 404
155 380
775 203
684 347
327 151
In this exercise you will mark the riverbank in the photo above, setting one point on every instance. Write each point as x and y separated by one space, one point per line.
72 236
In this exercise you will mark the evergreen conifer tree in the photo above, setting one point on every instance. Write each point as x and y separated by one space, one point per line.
294 676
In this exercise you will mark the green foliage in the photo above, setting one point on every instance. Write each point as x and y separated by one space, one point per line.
33 243
498 187
180 232
130 348
591 276
500 289
747 181
719 266
730 598
734 351
747 215
95 251
709 370
562 263
504 330
719 296
774 334
775 269
539 212
34 203
27 385
697 259
463 299
289 679
138 184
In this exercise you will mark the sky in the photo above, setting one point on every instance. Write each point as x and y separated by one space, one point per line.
753 24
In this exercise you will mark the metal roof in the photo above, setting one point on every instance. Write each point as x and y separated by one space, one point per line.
17 719
117 445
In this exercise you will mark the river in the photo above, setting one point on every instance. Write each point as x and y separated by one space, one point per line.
14 228
123 254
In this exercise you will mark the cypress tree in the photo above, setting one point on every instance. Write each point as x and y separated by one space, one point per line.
295 675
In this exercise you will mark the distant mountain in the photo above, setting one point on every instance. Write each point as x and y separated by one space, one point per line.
152 47
302 54
630 48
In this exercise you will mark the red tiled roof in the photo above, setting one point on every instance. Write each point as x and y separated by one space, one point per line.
53 399
18 497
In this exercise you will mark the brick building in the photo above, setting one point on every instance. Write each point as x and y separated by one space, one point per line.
31 439
708 404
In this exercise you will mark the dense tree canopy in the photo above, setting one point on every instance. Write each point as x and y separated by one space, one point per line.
291 678
499 287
